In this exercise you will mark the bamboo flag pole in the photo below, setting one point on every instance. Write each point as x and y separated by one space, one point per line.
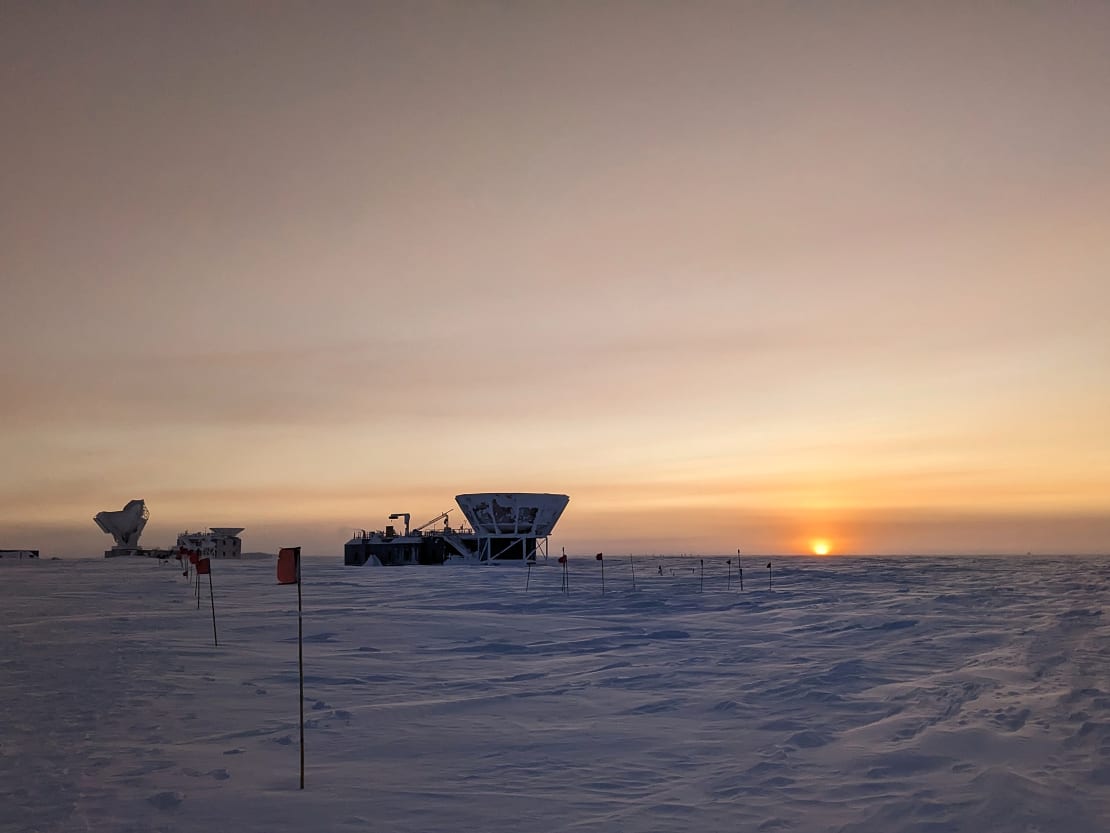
300 657
289 572
212 598
204 566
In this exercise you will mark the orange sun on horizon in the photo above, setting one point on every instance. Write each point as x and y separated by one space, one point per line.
821 547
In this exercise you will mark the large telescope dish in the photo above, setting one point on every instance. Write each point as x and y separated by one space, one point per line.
125 525
512 513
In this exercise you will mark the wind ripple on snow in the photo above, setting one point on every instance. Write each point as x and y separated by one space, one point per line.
860 695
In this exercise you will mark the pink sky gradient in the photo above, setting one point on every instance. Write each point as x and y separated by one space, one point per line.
729 275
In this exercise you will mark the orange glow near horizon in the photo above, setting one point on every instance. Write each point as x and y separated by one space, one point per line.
621 297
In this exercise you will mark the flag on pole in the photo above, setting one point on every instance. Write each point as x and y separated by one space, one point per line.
194 558
599 558
289 572
562 559
289 565
204 568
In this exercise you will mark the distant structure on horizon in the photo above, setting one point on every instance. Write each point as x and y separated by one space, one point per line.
504 527
217 542
126 526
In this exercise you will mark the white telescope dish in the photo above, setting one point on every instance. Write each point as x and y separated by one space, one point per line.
126 525
512 513
229 531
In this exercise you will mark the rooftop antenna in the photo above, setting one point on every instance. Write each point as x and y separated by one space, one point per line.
126 525
404 515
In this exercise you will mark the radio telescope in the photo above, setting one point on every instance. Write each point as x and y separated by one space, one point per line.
126 525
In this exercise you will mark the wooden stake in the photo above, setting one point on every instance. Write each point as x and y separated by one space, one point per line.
633 563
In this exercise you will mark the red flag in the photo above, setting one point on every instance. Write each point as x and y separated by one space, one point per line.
289 565
193 558
203 566
599 558
562 559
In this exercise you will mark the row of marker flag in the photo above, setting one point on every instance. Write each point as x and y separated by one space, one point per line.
288 572
203 565
203 568
565 588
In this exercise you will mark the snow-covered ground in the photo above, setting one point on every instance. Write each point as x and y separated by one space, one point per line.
909 694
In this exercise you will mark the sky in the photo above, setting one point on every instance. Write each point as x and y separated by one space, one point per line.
730 275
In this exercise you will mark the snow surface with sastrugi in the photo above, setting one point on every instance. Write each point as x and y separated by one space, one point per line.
858 695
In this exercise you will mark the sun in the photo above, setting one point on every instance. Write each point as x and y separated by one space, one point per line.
821 547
